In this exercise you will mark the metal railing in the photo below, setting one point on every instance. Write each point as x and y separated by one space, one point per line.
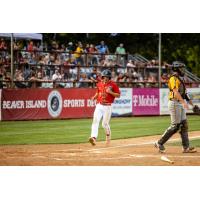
26 60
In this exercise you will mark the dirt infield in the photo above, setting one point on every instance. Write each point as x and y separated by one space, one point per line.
127 152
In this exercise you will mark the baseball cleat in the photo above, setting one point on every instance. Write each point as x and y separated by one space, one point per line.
160 147
190 150
92 140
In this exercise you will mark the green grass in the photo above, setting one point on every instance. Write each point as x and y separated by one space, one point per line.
193 142
78 130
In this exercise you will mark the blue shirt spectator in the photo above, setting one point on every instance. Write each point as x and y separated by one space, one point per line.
102 48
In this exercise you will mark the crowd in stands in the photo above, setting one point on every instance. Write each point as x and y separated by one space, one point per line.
73 65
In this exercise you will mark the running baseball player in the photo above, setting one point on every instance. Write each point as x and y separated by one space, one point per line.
106 92
178 99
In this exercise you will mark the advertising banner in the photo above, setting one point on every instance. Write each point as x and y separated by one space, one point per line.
146 101
47 103
194 94
123 106
164 101
30 104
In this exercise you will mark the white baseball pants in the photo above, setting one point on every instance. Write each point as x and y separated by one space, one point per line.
105 112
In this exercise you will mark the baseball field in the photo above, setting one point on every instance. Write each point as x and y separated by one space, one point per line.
65 142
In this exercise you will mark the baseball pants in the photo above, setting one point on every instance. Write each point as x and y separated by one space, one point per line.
178 121
105 112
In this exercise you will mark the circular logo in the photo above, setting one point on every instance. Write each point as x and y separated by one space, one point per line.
54 103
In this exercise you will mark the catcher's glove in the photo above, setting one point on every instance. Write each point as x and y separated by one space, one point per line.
196 110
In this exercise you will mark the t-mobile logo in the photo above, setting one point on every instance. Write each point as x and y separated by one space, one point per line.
142 100
135 100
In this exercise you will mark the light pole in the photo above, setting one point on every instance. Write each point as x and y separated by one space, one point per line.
159 58
12 72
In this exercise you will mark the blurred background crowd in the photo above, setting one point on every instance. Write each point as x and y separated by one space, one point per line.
76 64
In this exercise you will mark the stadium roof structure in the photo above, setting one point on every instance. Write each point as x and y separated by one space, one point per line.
29 36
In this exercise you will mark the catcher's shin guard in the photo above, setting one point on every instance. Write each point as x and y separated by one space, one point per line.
184 134
168 133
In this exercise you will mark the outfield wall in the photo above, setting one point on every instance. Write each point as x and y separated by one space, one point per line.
31 104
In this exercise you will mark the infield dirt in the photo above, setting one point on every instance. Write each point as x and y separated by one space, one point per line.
126 152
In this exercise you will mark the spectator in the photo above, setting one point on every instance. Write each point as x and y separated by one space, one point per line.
120 51
5 79
62 48
109 61
151 81
41 60
56 78
93 77
70 47
86 50
92 57
30 46
135 76
54 46
20 45
3 45
39 47
32 80
84 81
120 77
57 60
164 80
130 64
19 78
73 71
27 71
113 76
39 79
78 54
151 78
102 48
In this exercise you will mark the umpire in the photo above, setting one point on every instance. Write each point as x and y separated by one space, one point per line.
177 105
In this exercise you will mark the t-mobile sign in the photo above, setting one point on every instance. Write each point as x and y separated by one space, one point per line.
146 101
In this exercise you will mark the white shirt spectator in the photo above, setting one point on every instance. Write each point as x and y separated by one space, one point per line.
56 76
130 64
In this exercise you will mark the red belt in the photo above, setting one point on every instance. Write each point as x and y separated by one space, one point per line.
106 104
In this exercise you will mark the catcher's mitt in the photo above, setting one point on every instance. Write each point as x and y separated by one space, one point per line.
196 110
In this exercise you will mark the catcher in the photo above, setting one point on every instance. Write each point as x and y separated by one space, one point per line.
177 106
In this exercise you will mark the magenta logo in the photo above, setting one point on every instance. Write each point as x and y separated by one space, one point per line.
145 101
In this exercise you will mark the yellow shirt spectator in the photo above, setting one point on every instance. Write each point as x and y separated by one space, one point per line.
78 51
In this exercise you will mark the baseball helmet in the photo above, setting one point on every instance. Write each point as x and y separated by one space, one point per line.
178 67
106 73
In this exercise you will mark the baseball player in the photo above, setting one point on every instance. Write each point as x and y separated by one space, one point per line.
106 92
178 99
